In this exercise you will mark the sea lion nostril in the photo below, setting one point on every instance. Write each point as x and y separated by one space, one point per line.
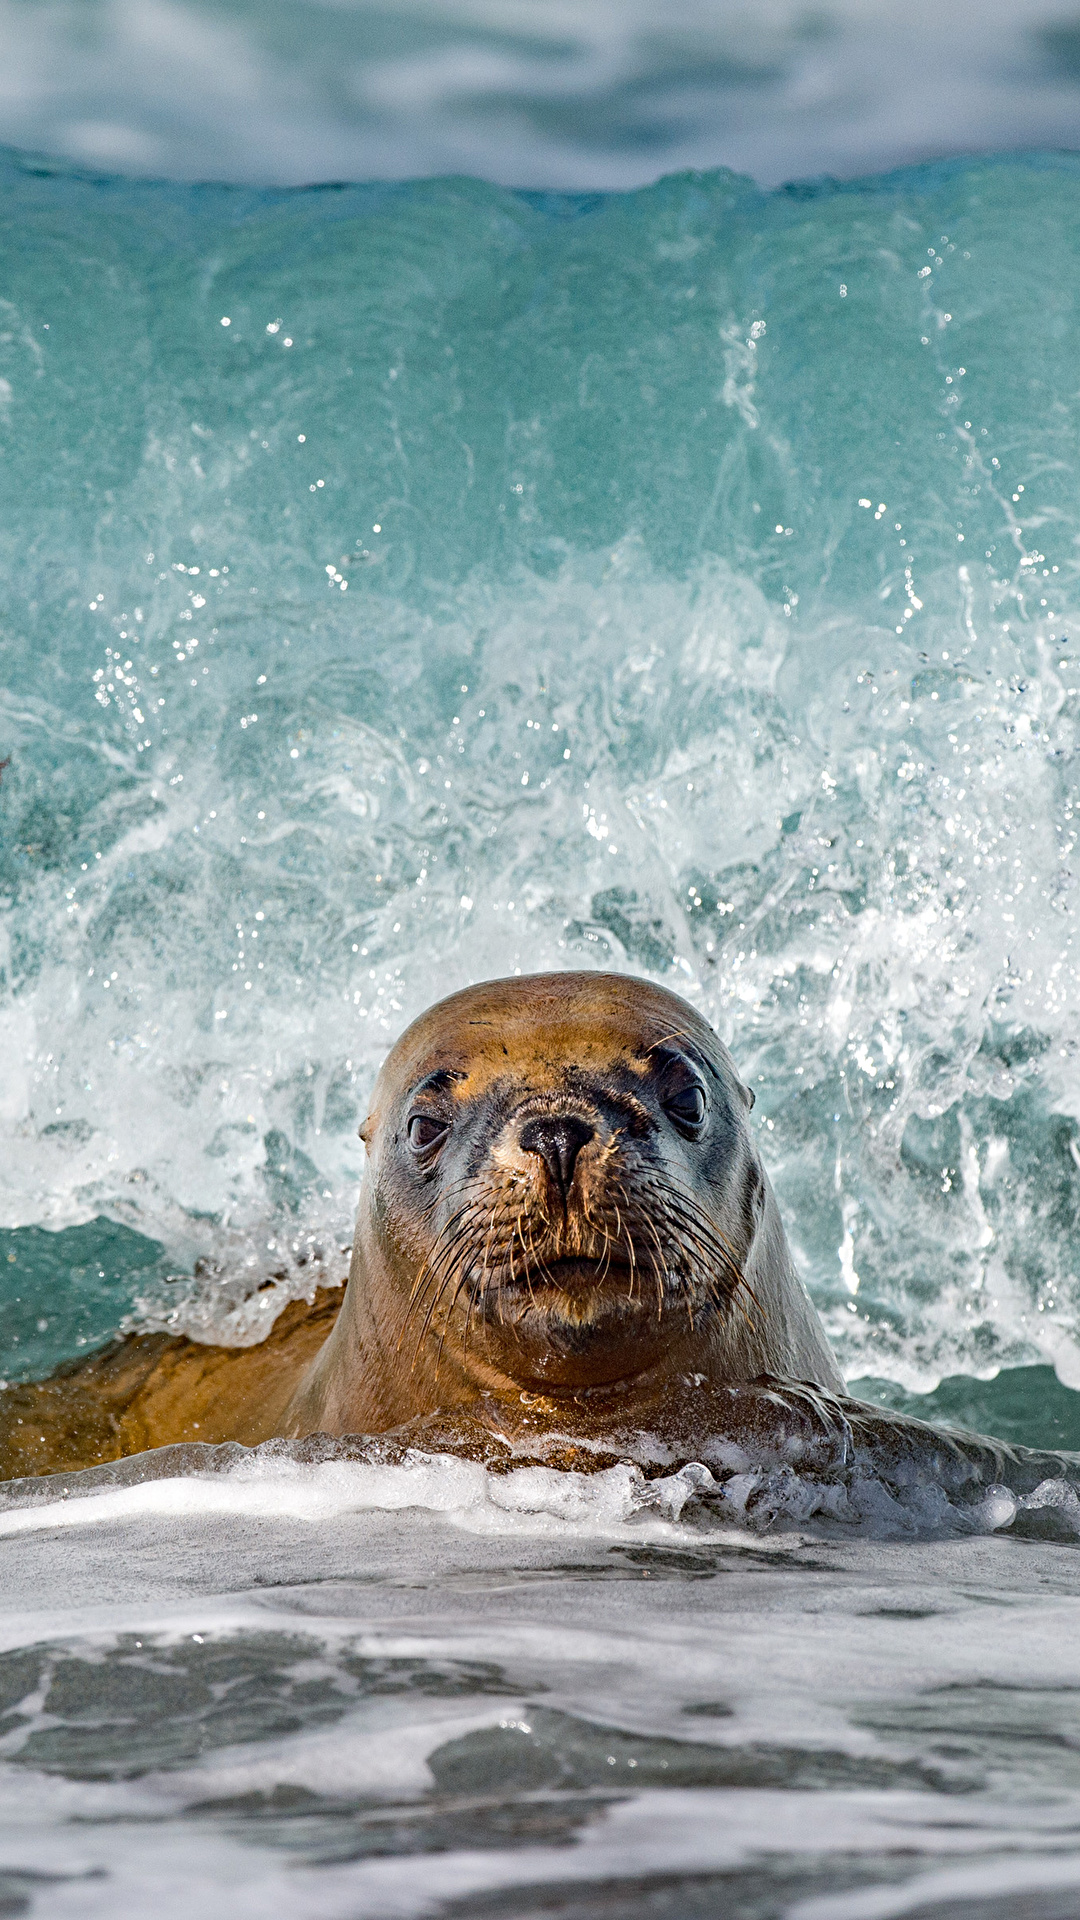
558 1139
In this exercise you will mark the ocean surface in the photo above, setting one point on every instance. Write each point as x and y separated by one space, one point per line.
407 584
341 1691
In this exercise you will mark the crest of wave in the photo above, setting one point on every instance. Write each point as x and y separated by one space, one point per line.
852 853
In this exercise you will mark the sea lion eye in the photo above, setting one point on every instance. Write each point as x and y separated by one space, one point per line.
425 1129
686 1106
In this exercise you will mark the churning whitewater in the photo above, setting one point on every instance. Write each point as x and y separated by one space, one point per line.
414 584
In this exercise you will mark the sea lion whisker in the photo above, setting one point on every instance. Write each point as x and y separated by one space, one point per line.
718 1257
691 1220
422 1335
487 1240
701 1251
519 1234
630 1248
644 1220
599 1229
751 1325
524 1255
727 1300
462 1276
429 1316
474 1293
745 1287
718 1270
442 1248
443 1194
513 1274
447 1228
665 1039
437 1272
661 1269
689 1201
605 1258
429 1273
685 1221
540 1261
589 1221
493 1254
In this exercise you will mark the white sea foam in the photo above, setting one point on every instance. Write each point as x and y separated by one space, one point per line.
620 1502
612 712
887 993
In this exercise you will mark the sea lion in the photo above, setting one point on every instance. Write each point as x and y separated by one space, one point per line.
563 1210
563 1199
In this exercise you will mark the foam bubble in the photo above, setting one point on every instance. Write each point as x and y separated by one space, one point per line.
908 1489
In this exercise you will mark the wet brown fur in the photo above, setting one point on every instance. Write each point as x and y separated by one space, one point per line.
154 1389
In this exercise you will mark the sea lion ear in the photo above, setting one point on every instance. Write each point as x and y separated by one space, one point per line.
749 1096
366 1129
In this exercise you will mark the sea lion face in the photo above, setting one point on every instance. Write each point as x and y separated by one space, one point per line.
561 1181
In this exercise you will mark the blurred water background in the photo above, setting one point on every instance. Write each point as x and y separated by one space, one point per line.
532 93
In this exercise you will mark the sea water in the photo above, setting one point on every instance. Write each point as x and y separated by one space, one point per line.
332 1689
411 584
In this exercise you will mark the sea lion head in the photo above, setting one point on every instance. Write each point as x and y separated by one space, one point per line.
561 1189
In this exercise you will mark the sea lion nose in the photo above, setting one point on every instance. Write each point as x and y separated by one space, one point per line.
558 1139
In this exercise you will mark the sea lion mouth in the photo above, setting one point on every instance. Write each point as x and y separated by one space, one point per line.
580 1293
579 1273
630 1248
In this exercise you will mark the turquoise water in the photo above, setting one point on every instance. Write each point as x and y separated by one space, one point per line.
411 584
